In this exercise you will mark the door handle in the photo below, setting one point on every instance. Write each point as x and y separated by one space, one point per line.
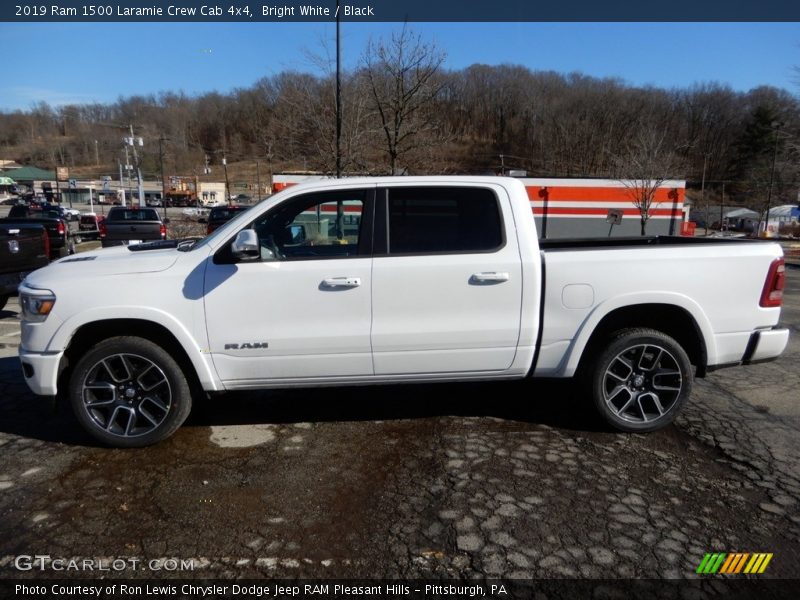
489 277
341 282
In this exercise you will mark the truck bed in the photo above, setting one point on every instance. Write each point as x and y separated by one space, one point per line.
631 242
719 279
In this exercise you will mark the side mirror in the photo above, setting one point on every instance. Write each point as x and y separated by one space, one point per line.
166 221
202 220
245 246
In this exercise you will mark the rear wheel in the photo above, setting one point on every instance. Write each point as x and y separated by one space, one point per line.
640 380
129 392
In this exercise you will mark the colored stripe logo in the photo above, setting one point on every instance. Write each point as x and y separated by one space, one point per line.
734 563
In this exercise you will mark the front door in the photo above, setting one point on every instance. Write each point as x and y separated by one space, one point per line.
303 309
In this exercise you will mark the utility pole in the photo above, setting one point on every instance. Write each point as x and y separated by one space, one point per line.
133 141
161 140
258 182
121 184
96 155
703 191
269 165
338 94
776 127
227 185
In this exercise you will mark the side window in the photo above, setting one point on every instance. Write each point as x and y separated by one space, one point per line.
319 226
443 220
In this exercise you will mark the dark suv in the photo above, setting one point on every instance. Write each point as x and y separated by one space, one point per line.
220 215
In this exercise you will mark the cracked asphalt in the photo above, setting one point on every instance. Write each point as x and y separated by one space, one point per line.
508 480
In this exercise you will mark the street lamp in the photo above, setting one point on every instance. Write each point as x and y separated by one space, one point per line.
776 127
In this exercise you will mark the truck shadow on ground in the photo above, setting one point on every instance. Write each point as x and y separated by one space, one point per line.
544 402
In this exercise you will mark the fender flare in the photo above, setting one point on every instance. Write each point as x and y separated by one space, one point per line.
602 310
201 362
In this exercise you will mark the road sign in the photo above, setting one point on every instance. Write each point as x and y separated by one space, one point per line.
614 216
73 183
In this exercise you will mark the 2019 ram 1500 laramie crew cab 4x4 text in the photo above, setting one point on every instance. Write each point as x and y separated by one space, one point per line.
410 279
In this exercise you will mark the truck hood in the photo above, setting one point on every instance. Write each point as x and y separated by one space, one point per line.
117 260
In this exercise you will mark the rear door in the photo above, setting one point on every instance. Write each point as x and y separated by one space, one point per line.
447 281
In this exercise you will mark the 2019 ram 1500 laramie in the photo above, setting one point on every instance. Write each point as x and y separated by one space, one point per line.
409 279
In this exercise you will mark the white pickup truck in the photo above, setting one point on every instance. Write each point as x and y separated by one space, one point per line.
388 280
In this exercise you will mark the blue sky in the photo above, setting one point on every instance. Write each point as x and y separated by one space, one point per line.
98 62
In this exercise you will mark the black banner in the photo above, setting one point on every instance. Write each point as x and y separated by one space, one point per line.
405 10
393 589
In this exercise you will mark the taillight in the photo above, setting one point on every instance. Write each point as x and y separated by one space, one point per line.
163 231
46 240
61 228
209 229
772 295
102 229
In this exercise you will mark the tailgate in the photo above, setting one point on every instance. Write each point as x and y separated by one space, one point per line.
133 230
22 250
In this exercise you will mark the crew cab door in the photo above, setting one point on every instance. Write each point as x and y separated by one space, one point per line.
303 309
447 280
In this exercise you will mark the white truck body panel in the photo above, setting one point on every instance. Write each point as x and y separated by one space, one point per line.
408 318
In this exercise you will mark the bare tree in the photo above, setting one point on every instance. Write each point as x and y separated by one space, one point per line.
646 161
401 77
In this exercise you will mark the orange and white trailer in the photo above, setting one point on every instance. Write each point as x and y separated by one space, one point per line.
580 207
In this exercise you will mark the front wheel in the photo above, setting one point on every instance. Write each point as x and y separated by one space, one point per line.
640 380
129 392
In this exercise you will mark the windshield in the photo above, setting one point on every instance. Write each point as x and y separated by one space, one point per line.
234 223
125 214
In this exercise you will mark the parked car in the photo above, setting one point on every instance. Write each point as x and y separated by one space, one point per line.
62 238
24 248
89 225
396 279
125 226
220 215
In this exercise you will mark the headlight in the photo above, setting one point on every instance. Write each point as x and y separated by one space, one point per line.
36 307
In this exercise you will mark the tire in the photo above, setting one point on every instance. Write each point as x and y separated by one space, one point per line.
128 392
3 300
640 380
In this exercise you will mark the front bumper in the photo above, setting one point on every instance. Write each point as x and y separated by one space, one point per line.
41 371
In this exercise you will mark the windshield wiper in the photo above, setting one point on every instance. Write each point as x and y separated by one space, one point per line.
187 244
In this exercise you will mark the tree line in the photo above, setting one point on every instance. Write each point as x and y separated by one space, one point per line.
404 112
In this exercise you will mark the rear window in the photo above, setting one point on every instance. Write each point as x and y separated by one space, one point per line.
433 220
88 219
225 213
139 214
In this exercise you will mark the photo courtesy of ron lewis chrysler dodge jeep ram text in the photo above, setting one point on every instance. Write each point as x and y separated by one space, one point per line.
388 280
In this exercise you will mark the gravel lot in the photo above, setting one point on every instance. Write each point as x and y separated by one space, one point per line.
495 480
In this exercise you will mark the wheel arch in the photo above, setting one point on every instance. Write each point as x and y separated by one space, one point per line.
88 334
674 320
